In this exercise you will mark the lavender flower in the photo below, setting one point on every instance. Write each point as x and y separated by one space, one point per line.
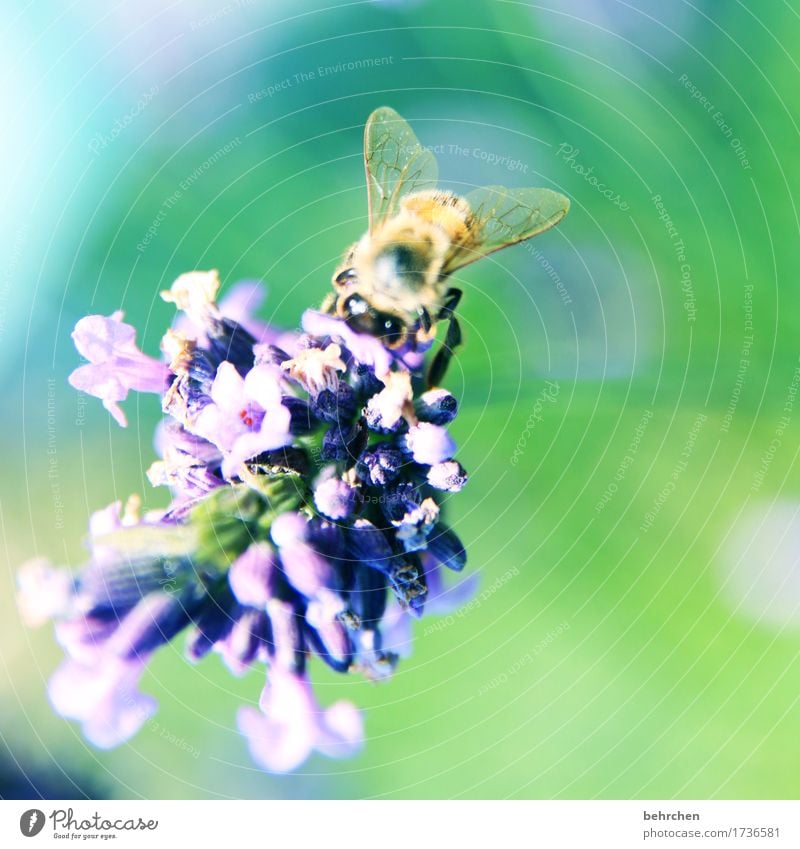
290 724
245 417
116 365
306 474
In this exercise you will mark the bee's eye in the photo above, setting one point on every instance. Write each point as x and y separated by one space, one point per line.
391 329
345 277
363 318
355 305
359 315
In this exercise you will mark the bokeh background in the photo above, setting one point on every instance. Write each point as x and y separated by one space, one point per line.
629 410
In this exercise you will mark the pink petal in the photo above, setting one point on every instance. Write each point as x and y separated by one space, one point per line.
116 411
97 337
342 731
227 391
276 747
263 387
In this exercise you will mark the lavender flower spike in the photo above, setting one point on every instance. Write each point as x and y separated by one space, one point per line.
116 365
305 523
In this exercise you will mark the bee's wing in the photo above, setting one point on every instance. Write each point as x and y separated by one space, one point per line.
504 217
395 162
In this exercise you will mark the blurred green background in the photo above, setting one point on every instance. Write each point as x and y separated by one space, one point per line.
638 628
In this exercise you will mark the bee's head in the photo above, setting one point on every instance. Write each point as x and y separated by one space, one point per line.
364 318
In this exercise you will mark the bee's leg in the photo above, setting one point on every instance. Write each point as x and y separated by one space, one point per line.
451 341
451 301
424 319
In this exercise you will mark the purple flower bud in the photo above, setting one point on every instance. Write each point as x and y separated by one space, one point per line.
449 476
214 623
381 465
252 575
335 406
365 383
429 444
302 420
344 443
287 646
446 547
366 544
412 516
401 501
368 596
335 498
249 634
230 341
437 406
327 538
190 392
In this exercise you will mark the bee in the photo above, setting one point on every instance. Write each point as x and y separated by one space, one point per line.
393 283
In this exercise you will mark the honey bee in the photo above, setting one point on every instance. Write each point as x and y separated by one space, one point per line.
393 282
